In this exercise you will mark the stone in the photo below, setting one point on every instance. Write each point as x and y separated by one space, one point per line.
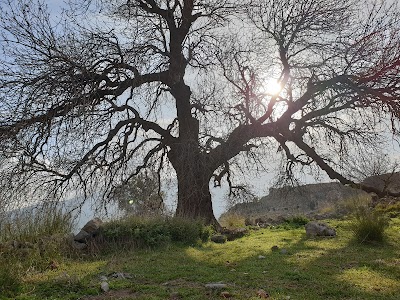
261 257
121 275
274 248
218 238
283 251
78 245
226 295
314 229
262 294
104 286
216 285
233 234
88 231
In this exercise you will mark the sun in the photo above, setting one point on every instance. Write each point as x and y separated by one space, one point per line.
272 87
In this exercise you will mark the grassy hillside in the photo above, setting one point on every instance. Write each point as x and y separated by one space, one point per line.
336 268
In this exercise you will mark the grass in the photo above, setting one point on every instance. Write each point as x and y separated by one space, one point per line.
337 268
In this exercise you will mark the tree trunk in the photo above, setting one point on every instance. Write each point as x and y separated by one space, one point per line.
194 197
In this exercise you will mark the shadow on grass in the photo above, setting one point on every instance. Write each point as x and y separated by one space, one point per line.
311 269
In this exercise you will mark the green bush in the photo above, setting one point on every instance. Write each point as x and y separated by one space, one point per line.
294 222
369 225
153 232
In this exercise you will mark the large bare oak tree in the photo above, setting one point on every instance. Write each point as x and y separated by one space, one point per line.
93 95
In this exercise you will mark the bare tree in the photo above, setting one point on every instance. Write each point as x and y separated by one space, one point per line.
89 100
140 196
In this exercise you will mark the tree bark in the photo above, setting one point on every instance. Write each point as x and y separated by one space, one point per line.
194 175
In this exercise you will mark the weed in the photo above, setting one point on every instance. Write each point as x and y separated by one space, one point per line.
369 225
10 282
232 221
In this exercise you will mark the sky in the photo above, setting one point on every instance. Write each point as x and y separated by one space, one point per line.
261 182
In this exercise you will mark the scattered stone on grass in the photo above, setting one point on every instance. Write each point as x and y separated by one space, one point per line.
233 234
104 286
218 238
121 275
262 294
283 251
261 257
314 229
216 285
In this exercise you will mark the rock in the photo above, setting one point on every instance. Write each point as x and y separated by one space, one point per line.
218 238
262 294
283 251
104 286
78 245
103 278
274 248
88 231
261 257
121 275
233 234
314 229
216 285
226 295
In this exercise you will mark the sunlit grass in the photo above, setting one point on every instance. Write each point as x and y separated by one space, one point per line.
336 266
366 279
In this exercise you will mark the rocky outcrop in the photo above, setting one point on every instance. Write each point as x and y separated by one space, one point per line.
301 200
389 182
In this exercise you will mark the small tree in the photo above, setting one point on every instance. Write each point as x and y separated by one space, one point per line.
140 196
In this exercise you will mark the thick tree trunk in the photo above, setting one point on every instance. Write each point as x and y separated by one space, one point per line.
194 197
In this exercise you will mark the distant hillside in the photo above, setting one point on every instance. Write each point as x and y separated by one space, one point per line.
310 198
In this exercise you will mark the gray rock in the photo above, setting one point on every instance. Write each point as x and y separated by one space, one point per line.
314 229
283 251
121 275
78 245
103 278
261 257
216 285
104 286
88 231
218 238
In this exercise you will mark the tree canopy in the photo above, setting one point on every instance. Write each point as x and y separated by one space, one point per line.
92 97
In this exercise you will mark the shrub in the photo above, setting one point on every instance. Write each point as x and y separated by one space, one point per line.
369 225
232 220
153 232
31 225
10 283
293 222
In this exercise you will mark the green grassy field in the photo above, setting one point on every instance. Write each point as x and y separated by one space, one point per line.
335 268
